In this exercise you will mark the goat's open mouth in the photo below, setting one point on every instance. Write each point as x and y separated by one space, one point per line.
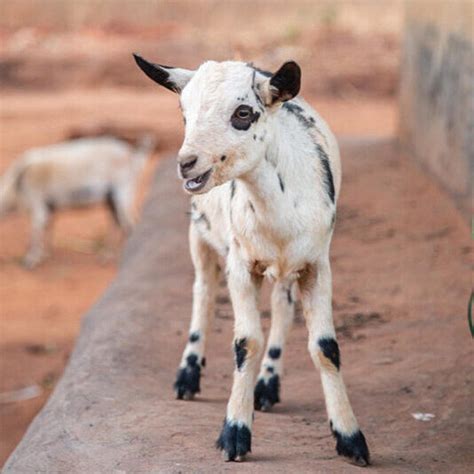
197 183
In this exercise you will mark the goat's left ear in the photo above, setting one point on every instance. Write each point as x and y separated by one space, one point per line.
173 78
284 84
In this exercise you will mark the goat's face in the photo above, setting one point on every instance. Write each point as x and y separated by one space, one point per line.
226 108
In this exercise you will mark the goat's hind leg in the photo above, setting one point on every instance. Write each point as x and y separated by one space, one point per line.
267 390
205 262
316 290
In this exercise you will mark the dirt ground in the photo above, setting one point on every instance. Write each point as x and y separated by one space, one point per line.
401 275
41 309
54 82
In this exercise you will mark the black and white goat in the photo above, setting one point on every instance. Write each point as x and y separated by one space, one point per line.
74 173
264 172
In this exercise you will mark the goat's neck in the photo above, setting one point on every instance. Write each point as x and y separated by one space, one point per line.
263 182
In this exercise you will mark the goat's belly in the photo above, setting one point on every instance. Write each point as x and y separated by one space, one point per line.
79 196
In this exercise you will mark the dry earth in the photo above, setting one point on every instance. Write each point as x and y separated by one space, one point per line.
40 311
401 251
401 284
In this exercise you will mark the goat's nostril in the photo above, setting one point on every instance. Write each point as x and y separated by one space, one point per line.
189 164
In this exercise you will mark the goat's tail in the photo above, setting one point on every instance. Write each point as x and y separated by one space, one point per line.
143 149
9 185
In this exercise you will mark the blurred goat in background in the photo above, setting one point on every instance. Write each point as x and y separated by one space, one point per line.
74 173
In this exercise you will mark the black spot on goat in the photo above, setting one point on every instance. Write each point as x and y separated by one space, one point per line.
274 353
298 112
282 184
330 350
328 178
240 350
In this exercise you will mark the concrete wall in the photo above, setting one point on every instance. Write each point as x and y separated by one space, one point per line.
437 92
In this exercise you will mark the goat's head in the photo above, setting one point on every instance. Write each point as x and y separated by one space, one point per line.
226 107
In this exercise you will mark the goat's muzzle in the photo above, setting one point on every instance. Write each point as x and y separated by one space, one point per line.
186 164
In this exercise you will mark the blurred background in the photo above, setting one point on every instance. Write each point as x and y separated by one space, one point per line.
66 65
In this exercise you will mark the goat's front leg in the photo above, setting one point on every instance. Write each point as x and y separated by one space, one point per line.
235 437
205 262
267 390
39 222
120 202
316 291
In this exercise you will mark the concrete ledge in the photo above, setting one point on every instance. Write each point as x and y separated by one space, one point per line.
96 412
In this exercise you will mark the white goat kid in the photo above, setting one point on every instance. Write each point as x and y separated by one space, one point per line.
74 173
265 175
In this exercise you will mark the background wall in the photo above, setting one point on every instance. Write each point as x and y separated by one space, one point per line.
437 92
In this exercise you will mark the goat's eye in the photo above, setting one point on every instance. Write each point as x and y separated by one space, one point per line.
243 117
243 113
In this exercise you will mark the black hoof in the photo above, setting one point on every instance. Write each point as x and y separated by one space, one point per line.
267 393
188 379
235 441
353 448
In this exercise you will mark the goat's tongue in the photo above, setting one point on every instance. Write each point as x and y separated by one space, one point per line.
198 182
193 183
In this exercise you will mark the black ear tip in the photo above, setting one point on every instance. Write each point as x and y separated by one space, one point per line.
138 59
292 66
287 81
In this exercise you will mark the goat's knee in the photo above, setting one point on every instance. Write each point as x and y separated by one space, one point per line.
247 350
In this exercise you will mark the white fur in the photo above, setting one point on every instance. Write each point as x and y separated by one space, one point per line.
262 230
79 172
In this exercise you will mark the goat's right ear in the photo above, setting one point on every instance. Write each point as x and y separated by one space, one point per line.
173 78
283 85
